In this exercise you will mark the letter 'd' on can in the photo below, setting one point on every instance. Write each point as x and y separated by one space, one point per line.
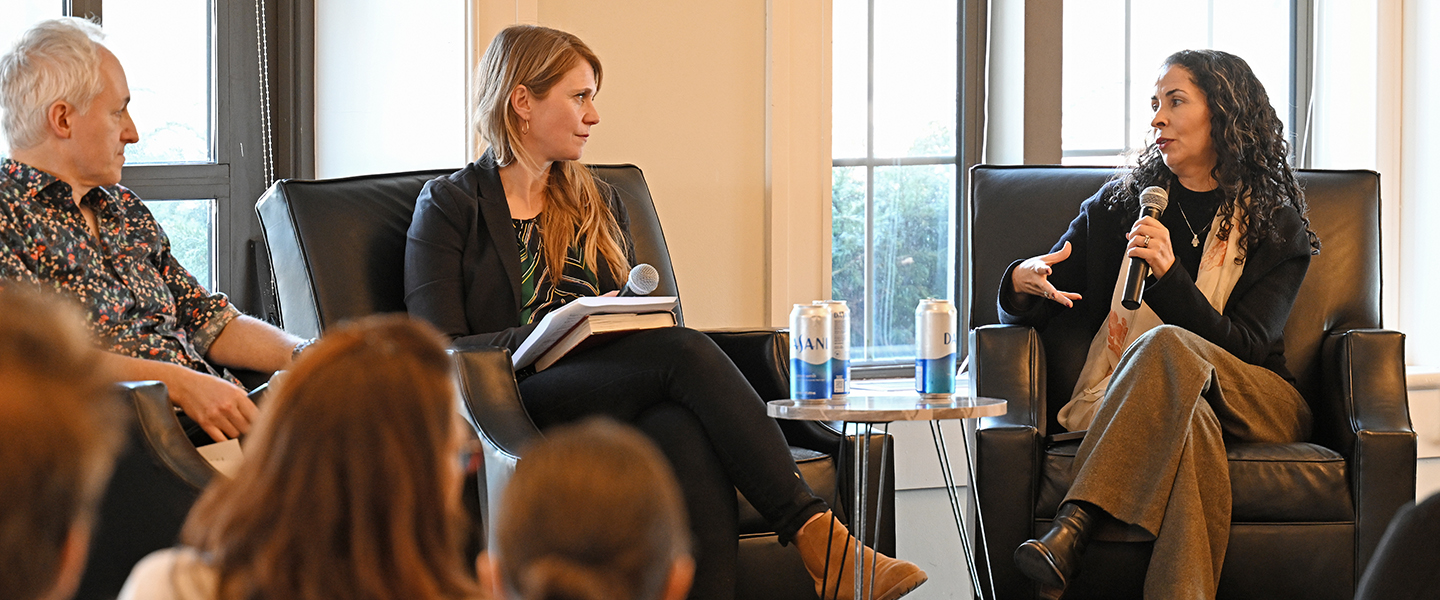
839 347
935 348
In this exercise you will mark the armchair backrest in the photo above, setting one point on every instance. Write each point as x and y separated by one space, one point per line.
1020 211
337 246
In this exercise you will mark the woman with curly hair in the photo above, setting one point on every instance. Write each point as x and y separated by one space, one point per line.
1202 360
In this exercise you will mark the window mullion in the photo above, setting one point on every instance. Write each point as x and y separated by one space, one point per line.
1129 60
85 8
870 294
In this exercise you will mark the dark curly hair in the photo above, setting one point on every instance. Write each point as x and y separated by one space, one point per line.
1250 150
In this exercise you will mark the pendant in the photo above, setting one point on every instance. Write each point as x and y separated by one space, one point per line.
1194 240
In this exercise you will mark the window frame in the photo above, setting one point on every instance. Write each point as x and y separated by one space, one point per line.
237 176
1301 61
969 139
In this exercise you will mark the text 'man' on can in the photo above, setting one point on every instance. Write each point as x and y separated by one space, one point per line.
810 331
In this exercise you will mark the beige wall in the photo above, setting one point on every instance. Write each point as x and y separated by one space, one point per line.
684 98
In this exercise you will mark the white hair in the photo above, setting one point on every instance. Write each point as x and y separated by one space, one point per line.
55 60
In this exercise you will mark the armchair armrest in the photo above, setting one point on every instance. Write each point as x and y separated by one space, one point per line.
162 435
158 476
1364 382
492 399
1008 362
492 405
763 357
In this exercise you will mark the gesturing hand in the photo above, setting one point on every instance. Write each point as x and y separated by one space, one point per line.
1033 277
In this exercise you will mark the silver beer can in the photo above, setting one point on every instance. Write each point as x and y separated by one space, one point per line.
935 348
839 347
810 331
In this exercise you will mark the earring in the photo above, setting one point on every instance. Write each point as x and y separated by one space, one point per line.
525 128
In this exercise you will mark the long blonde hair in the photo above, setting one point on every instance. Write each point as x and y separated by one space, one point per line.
538 58
345 491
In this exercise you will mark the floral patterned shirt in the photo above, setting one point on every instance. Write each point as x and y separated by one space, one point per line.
140 301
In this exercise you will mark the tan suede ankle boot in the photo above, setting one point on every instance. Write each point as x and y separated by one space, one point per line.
892 577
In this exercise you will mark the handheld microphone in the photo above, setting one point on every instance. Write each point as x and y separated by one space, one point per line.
1153 201
643 280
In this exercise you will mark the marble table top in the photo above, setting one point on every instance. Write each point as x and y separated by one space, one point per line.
886 408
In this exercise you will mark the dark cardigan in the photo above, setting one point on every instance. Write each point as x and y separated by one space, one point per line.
462 264
1252 326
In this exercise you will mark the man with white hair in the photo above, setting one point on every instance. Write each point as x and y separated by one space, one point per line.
67 225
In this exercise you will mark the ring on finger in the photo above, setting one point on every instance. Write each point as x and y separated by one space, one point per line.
1147 242
1046 295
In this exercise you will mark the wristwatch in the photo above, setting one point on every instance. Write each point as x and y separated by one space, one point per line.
300 347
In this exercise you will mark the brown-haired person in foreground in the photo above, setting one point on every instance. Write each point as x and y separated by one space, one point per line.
350 486
52 470
496 246
592 513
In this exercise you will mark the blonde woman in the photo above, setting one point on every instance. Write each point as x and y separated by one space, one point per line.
525 229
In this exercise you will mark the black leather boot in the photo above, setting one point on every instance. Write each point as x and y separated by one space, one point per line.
1054 559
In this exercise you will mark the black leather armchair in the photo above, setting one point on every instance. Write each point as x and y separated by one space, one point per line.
337 249
158 476
1306 516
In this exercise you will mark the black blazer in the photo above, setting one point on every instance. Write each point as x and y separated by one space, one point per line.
1253 324
462 263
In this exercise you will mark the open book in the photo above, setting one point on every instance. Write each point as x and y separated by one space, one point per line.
557 325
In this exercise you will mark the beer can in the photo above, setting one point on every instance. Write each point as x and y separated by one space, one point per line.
839 347
935 348
810 331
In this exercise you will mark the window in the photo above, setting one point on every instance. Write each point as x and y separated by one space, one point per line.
1113 50
195 97
894 167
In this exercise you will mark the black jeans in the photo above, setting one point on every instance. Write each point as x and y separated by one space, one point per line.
679 388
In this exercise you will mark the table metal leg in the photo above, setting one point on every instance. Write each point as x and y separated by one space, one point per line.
879 505
938 436
862 471
858 514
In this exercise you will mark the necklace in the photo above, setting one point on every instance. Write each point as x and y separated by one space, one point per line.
1194 237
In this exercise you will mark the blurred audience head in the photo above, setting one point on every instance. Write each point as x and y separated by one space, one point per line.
529 55
592 513
351 482
56 60
60 427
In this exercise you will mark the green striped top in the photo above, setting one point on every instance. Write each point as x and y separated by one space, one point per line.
538 295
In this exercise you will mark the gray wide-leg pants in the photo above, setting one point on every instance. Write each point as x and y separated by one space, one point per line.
1154 456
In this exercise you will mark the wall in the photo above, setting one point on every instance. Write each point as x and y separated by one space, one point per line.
1023 119
389 86
1418 181
717 103
684 98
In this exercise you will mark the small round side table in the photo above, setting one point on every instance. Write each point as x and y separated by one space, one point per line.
865 411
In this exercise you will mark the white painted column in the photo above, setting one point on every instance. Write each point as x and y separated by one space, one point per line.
797 155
